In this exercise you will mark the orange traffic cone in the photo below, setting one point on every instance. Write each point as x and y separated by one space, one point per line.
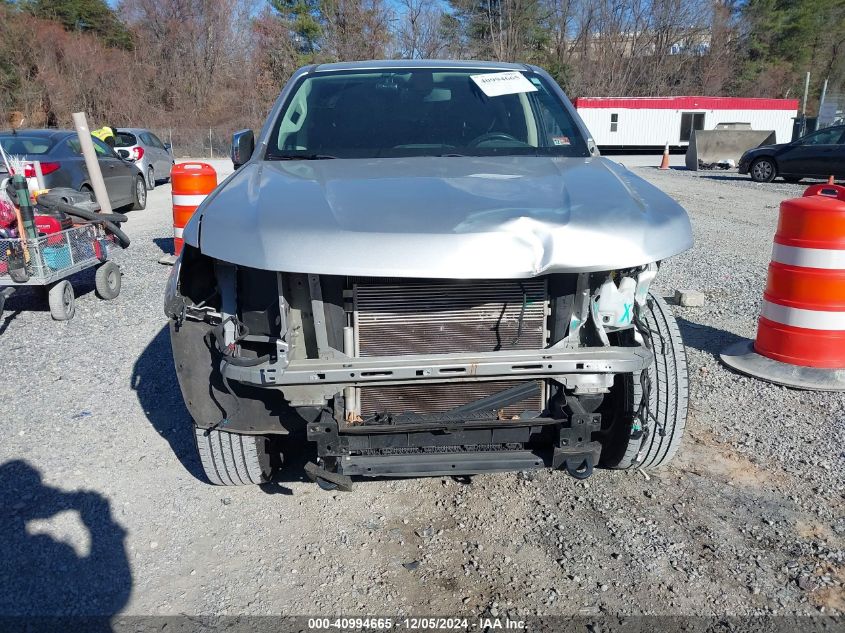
190 184
801 331
664 164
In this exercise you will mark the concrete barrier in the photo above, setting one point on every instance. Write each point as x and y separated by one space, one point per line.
710 146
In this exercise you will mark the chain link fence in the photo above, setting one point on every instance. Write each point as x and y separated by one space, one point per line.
197 142
832 108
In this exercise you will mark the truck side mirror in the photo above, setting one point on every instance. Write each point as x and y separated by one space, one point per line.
243 144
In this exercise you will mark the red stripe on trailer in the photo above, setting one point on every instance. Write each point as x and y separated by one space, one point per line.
686 103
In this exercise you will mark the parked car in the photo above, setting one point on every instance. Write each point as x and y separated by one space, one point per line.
63 165
817 155
426 268
153 157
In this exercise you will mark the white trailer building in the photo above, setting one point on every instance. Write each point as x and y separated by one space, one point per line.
650 122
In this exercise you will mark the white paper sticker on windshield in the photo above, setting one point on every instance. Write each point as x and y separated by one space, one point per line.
507 83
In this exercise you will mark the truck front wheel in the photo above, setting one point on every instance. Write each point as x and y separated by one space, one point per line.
233 459
646 433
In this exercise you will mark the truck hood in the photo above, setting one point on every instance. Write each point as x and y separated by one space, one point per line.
439 217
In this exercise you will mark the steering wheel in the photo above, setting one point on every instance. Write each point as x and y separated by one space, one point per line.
493 136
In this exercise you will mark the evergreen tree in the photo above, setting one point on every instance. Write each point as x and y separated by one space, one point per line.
787 38
304 19
92 16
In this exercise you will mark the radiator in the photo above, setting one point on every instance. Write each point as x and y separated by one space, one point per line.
394 317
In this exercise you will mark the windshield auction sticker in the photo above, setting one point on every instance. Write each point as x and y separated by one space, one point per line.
507 83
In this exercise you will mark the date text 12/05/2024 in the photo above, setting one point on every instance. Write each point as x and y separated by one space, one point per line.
414 624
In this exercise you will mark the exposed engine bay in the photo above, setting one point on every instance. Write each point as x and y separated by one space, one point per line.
410 377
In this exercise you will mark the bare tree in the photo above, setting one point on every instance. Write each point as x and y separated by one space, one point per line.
418 33
195 46
355 29
636 47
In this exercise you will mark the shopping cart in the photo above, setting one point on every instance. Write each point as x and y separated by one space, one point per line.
50 260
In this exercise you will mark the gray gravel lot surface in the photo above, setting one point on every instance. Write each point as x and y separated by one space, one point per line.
104 509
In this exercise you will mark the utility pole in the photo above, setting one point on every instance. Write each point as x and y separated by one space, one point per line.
806 89
824 94
826 118
803 129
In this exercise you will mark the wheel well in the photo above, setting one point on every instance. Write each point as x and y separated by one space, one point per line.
768 157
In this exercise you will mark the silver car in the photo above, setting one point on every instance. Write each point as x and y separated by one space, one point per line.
426 268
152 157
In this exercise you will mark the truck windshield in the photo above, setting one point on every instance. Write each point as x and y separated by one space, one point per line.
423 112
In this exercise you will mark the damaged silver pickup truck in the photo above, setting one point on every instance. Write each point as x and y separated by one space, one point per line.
425 268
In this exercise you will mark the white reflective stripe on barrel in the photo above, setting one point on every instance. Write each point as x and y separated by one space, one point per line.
177 232
810 319
188 199
827 258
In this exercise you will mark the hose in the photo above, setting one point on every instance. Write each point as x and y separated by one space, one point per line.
90 215
107 219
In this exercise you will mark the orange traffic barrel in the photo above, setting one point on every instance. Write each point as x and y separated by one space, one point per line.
801 331
191 183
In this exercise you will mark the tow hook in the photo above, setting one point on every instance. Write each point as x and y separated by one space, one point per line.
580 470
328 480
578 464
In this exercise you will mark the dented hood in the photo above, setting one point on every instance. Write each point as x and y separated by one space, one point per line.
449 217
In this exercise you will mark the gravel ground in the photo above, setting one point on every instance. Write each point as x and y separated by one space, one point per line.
104 509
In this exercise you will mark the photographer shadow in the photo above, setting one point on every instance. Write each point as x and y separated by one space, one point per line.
48 584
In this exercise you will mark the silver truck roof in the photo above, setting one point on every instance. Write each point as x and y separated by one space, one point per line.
394 64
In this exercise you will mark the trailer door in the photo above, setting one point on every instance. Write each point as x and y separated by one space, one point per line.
690 121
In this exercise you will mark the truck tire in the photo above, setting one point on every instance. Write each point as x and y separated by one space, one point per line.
232 459
665 413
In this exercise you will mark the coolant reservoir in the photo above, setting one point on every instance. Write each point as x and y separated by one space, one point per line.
614 306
